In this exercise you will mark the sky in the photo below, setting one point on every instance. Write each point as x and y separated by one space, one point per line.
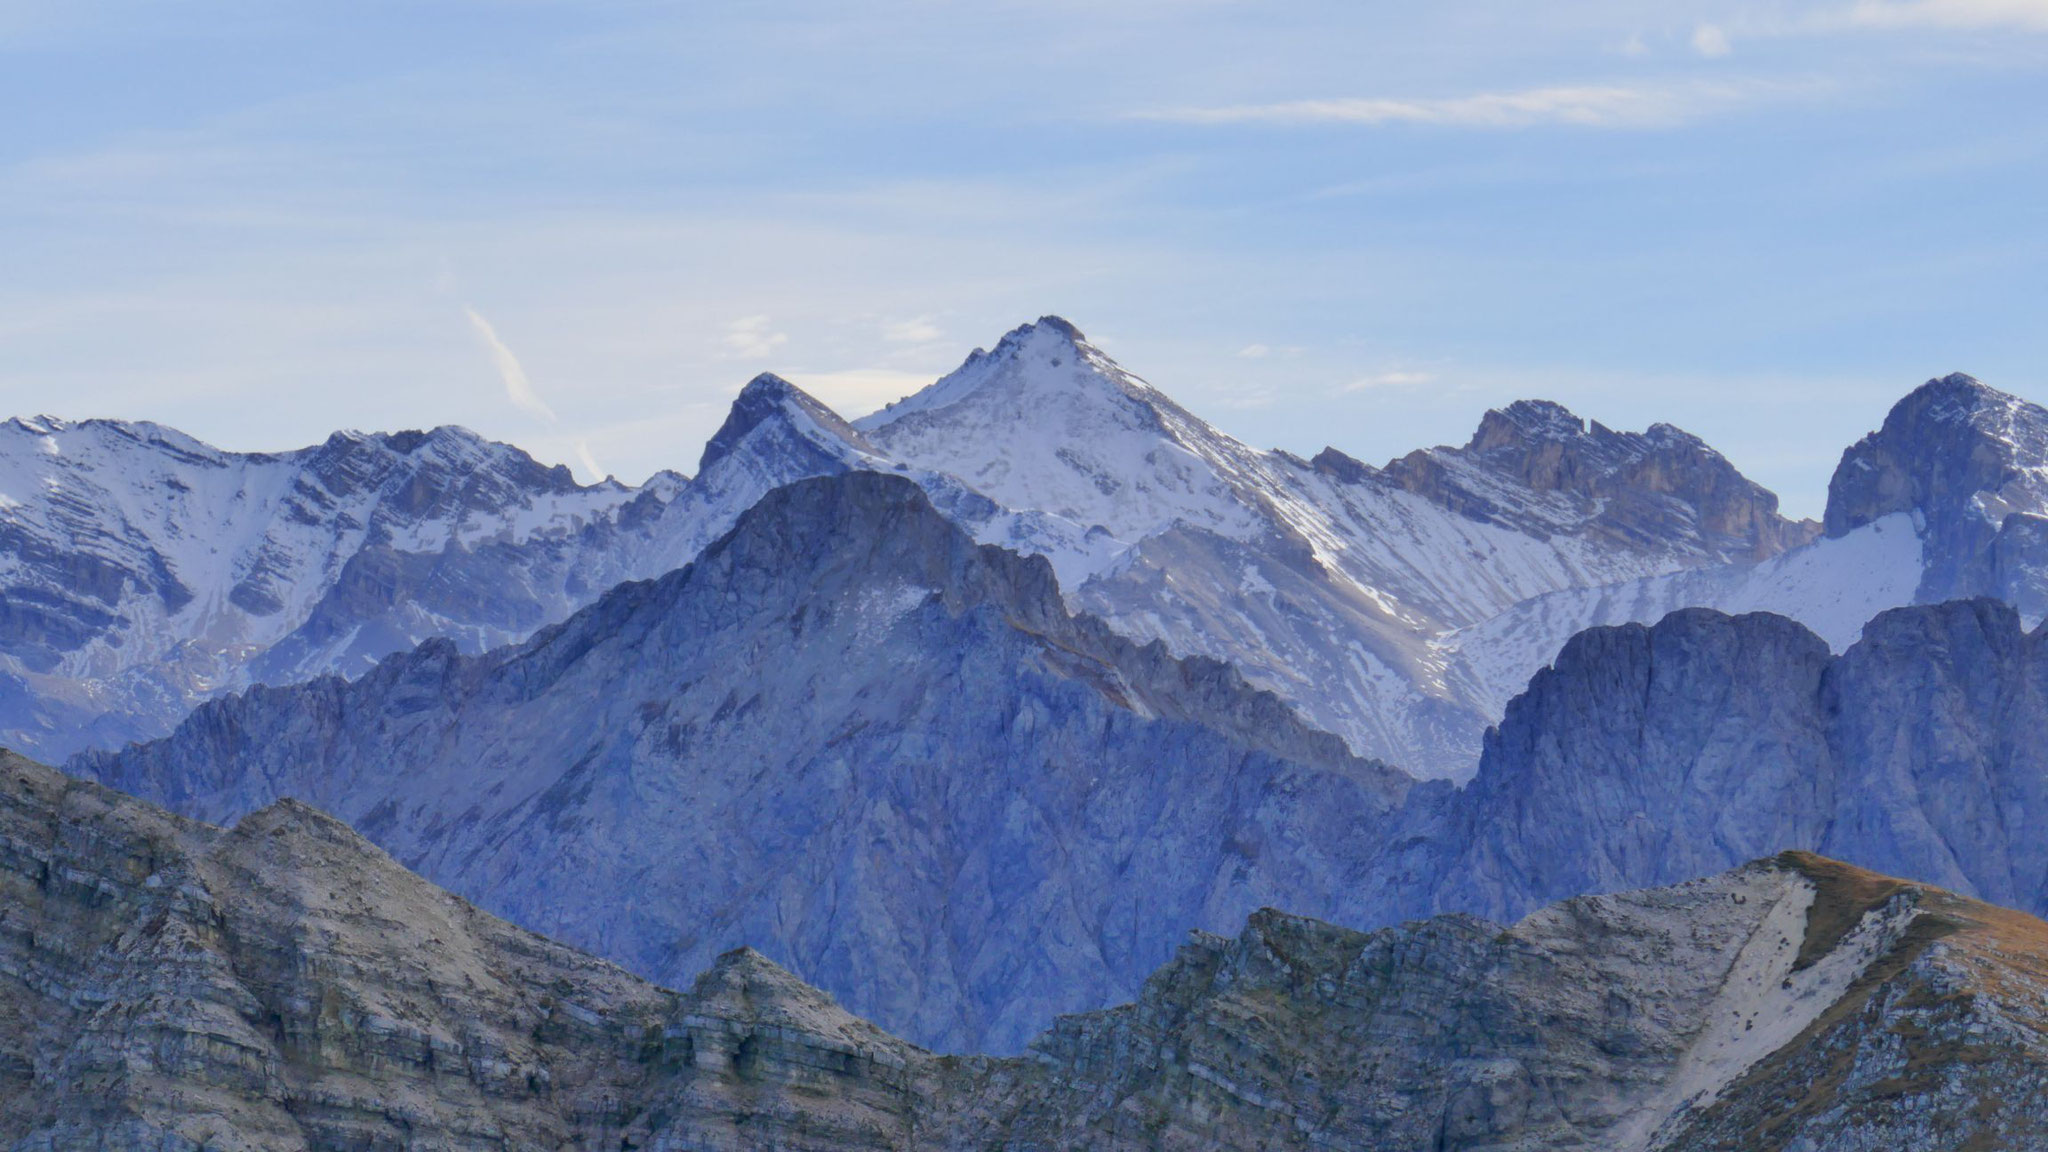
581 227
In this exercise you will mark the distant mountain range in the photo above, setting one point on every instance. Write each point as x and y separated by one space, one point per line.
284 985
1399 608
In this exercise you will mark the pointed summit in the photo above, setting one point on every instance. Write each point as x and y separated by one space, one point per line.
769 398
1970 464
1525 420
1049 423
1049 352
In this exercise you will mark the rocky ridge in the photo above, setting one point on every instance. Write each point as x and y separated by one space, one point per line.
142 571
1638 490
285 985
961 808
1326 582
892 759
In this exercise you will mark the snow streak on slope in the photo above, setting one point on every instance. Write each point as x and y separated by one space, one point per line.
1833 586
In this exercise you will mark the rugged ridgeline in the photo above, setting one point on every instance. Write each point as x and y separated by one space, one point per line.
1636 491
139 568
284 985
1948 500
847 735
142 572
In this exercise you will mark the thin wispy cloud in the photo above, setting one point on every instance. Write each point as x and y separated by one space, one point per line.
1586 106
1397 379
753 337
1711 41
1958 15
518 389
917 330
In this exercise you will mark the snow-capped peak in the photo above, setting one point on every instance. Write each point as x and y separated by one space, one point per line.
767 398
1047 422
1048 355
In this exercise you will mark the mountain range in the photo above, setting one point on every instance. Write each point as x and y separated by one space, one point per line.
967 712
1339 587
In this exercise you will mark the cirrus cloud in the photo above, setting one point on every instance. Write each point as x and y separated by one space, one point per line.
1959 15
1579 105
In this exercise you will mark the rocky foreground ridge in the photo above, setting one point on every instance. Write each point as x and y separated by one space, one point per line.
284 985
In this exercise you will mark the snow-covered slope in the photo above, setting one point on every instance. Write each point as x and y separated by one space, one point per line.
144 571
141 570
1833 586
1325 581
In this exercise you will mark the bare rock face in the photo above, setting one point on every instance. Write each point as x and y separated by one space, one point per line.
285 985
891 759
1640 490
1648 754
1971 464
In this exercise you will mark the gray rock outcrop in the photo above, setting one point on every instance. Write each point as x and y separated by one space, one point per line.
1648 754
1639 490
1971 463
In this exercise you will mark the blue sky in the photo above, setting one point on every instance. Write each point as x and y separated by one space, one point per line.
582 226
